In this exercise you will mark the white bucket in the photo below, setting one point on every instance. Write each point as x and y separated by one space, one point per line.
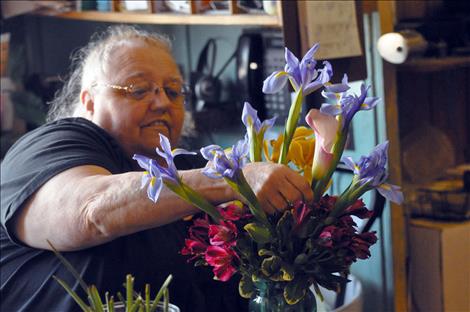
353 300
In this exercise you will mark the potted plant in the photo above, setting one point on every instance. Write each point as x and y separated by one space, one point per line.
132 302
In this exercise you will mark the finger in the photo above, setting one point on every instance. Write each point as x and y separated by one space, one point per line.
278 202
290 193
271 207
303 187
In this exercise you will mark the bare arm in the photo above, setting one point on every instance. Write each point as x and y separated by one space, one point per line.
87 206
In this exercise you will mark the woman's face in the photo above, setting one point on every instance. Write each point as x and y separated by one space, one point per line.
136 115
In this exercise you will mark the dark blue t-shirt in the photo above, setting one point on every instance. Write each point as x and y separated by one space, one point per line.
26 273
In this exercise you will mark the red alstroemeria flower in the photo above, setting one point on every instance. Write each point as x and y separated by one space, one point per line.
361 243
347 222
300 212
325 238
233 211
221 258
358 209
200 229
224 233
194 248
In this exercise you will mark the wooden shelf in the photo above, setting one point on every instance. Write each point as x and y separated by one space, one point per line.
175 18
435 64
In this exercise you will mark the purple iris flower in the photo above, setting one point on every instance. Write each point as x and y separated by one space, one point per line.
370 172
255 130
225 165
155 174
166 153
346 105
301 75
250 119
152 176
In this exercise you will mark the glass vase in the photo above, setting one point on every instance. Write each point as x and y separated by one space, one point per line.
269 297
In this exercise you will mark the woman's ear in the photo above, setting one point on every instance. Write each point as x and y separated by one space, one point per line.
88 103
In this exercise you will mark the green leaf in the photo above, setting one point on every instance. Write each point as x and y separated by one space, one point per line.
276 269
97 303
284 233
271 265
166 300
136 304
265 252
161 292
246 286
301 259
121 297
69 267
296 290
129 291
258 233
73 294
147 297
111 304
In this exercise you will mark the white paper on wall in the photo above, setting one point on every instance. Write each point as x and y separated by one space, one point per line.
331 23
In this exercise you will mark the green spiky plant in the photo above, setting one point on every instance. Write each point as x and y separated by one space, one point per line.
133 302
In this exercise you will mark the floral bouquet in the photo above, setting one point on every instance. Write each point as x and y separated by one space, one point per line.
280 256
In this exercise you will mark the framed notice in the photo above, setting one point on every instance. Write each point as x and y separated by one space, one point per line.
338 27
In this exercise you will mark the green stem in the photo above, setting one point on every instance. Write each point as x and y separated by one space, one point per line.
291 124
255 148
348 197
241 186
189 195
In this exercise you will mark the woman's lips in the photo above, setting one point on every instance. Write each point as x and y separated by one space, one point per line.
158 126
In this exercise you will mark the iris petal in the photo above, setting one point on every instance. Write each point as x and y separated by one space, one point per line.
330 109
275 82
391 192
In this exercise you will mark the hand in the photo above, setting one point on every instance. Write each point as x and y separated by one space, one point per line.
276 186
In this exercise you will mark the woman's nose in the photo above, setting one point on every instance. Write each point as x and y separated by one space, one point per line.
159 99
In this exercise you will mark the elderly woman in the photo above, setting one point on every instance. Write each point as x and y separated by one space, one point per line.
73 182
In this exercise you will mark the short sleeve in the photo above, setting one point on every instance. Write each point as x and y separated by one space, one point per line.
48 150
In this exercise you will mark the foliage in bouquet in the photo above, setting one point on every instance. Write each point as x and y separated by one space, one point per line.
310 243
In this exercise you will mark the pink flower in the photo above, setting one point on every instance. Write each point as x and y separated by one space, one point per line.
300 212
194 248
221 258
224 233
198 240
233 211
325 238
326 129
200 229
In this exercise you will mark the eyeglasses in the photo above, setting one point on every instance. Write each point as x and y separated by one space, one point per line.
141 90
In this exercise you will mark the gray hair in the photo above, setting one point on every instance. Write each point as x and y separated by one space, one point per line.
95 55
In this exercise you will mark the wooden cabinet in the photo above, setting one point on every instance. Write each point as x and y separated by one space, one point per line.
424 91
233 16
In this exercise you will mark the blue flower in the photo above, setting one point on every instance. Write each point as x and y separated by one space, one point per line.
255 130
346 105
222 164
250 119
301 75
370 172
152 176
155 174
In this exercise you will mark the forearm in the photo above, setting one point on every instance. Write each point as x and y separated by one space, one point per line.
116 212
98 207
